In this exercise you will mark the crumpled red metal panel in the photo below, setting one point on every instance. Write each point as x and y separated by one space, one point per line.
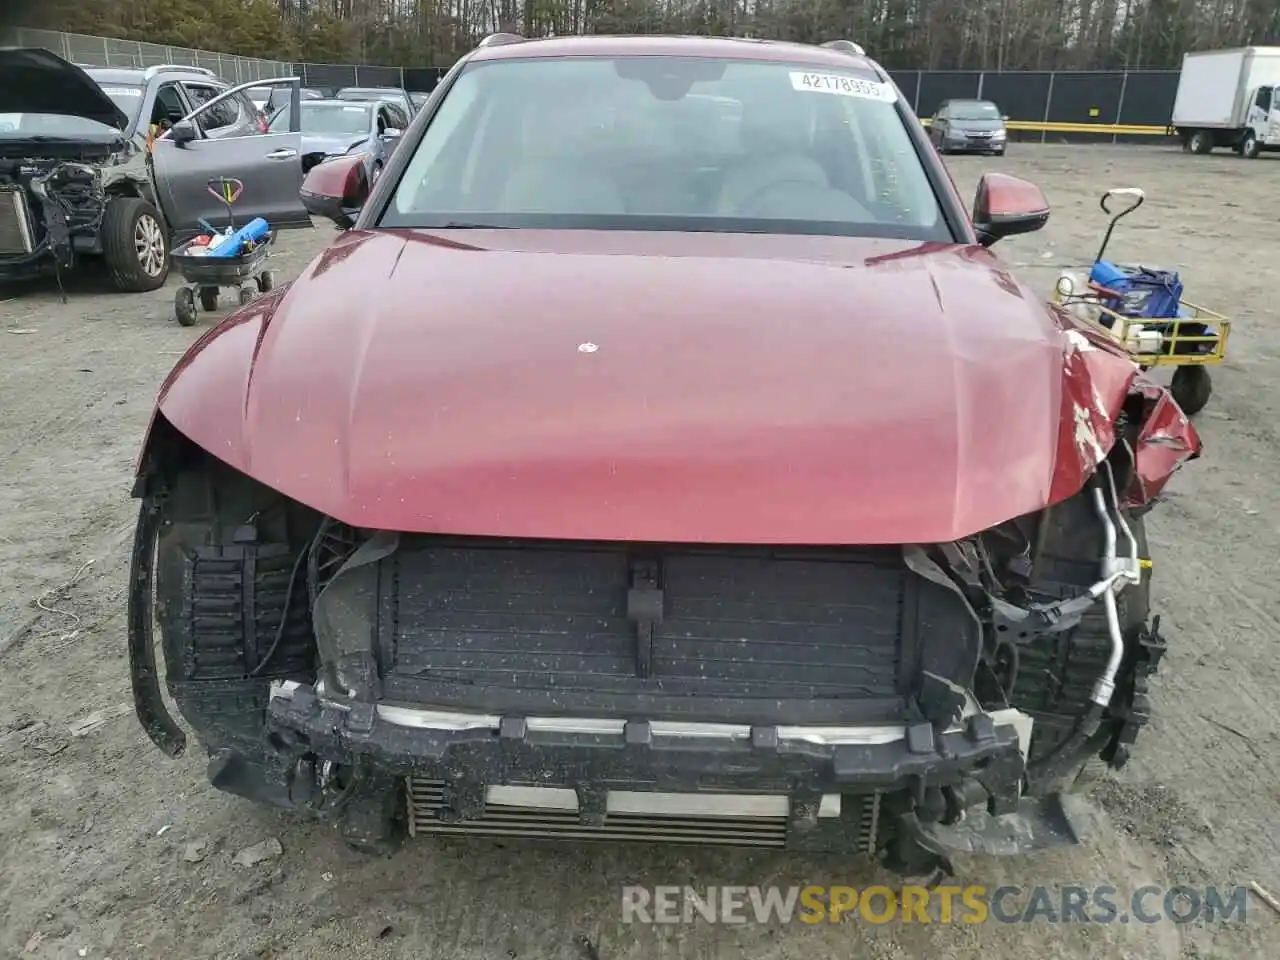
1167 440
1096 376
1098 379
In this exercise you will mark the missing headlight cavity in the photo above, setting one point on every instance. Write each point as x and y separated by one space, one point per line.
69 201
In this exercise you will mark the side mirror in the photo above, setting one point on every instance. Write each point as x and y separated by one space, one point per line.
1005 119
183 132
392 133
336 190
1005 206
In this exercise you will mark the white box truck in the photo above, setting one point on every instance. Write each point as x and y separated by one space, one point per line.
1229 98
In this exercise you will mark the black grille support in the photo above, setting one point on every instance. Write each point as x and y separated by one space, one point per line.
644 608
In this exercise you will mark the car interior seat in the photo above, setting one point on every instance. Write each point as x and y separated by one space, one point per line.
776 149
555 172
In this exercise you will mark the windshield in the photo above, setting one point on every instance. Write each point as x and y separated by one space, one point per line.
259 94
329 118
975 111
668 144
126 96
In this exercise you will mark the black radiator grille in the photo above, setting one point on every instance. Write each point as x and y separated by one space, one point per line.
15 224
737 623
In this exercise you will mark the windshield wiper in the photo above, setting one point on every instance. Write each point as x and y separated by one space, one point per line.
467 225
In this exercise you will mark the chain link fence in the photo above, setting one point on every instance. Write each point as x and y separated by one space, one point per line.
105 52
1125 97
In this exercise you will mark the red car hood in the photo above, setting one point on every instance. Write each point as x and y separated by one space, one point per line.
643 387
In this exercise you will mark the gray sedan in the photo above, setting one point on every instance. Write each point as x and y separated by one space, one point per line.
336 127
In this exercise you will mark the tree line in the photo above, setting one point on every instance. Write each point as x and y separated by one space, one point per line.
901 34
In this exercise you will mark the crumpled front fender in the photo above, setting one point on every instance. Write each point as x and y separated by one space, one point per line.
1100 382
1166 440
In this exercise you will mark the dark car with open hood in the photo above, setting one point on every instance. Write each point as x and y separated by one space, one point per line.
660 452
74 180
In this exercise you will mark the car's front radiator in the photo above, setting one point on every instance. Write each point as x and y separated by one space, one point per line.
739 623
16 238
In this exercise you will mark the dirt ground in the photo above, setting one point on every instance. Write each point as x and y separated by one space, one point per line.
109 850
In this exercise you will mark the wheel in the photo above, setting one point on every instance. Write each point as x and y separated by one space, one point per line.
1191 388
184 306
135 245
246 294
266 280
209 298
1249 146
1201 142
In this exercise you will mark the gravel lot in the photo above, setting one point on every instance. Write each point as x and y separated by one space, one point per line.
110 850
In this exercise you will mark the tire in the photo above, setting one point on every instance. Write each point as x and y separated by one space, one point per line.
209 298
266 280
1250 147
1201 142
135 245
246 294
1191 388
184 306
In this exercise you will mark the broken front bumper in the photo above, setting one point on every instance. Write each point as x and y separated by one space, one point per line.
806 787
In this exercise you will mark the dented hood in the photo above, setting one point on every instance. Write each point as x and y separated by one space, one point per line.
648 387
34 80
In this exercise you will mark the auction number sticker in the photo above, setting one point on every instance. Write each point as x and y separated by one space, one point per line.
843 86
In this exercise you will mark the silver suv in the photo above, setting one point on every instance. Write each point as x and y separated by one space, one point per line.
157 97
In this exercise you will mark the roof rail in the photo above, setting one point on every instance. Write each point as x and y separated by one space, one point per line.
501 39
846 46
176 68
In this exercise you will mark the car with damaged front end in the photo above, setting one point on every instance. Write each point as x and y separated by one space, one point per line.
74 179
633 467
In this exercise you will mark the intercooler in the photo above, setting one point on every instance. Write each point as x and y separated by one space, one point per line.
16 238
705 818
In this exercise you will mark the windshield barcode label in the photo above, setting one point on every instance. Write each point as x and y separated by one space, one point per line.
843 86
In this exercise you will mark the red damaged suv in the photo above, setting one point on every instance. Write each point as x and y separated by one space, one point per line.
659 453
